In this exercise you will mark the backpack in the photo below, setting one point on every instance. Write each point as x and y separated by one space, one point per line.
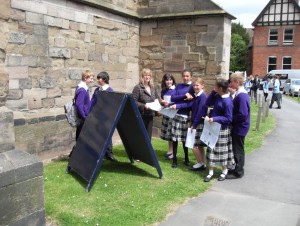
71 113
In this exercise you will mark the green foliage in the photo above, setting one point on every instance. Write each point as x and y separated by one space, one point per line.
239 47
125 194
239 53
237 28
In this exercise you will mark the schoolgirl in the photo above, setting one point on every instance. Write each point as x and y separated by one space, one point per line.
222 153
199 111
167 89
180 121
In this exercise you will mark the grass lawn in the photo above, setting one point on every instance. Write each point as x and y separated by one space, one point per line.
125 194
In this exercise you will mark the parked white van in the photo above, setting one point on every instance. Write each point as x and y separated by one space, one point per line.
284 74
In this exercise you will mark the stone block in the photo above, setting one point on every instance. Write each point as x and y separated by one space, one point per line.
34 18
34 103
54 92
15 94
36 93
59 52
40 30
17 105
5 9
47 83
25 83
13 84
48 103
13 60
59 42
16 37
32 6
53 21
26 28
174 65
21 189
7 136
75 74
17 15
31 61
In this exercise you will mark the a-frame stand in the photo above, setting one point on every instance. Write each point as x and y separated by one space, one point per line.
112 110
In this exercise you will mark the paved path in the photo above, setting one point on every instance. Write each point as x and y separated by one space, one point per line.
268 194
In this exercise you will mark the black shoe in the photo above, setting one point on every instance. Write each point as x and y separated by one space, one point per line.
234 176
186 162
198 168
168 154
208 178
278 107
222 177
174 163
270 106
110 158
168 157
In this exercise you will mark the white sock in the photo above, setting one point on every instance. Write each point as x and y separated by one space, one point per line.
197 165
211 172
225 171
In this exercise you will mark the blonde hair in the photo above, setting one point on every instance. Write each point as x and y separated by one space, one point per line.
239 77
146 71
86 74
199 80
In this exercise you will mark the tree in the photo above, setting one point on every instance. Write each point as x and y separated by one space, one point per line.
239 53
239 47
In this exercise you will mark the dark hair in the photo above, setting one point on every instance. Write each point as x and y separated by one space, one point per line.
104 75
166 77
187 70
223 84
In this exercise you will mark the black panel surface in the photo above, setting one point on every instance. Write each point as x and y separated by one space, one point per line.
112 110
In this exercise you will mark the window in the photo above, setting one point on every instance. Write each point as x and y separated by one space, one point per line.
288 36
286 62
273 37
272 64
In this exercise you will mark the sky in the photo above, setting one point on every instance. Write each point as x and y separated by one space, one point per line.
245 11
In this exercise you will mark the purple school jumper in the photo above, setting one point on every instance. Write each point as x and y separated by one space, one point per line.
222 153
94 97
241 114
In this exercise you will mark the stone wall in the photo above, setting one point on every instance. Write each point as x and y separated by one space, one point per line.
46 44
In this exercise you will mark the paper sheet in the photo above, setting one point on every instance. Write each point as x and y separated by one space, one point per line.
155 106
190 138
210 134
168 112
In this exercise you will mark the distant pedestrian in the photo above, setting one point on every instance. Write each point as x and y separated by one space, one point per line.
266 85
248 84
276 92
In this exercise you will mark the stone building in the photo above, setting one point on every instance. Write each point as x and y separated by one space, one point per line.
46 44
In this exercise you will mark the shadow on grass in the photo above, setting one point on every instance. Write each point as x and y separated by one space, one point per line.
116 168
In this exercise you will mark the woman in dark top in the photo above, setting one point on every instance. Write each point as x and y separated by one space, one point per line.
143 93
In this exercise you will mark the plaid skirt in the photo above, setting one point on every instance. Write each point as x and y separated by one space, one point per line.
222 153
179 126
165 130
199 131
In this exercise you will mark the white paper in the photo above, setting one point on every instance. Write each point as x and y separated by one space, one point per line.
168 112
190 138
210 134
167 98
155 106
